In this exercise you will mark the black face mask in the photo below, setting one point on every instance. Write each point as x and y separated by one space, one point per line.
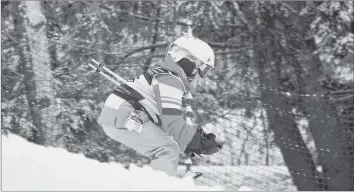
187 66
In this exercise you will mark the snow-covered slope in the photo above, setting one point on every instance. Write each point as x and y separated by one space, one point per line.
26 166
243 178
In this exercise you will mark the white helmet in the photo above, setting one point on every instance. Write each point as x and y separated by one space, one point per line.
193 49
197 48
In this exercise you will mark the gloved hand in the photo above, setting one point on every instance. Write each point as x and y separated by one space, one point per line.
203 143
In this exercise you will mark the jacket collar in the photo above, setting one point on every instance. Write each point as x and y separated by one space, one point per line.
168 64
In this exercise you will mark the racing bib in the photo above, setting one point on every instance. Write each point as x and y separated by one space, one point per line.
133 122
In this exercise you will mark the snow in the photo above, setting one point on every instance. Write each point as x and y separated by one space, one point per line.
34 12
30 167
245 177
245 188
231 127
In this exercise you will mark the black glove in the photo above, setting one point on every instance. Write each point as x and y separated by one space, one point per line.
203 143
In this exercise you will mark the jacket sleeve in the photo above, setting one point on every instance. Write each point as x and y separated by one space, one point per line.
168 90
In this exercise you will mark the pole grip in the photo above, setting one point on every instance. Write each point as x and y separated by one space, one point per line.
106 76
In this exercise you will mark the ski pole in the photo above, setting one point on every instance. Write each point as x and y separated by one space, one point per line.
101 66
106 76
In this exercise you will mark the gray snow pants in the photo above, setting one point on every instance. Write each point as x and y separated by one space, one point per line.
151 142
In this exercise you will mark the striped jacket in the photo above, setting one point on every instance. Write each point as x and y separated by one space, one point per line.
167 89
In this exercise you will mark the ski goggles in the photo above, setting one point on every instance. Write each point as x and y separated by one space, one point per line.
202 71
192 65
201 68
191 68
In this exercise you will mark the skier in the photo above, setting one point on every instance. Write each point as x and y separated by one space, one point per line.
157 129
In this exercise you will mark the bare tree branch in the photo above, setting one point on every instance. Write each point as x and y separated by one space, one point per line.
224 45
162 21
216 53
157 45
231 51
290 8
212 44
239 13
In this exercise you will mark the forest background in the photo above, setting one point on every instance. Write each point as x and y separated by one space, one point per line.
281 92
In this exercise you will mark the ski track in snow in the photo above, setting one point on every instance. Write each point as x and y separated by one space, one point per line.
30 167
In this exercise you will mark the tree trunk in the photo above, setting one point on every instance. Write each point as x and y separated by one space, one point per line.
42 76
51 27
101 46
296 155
266 139
25 67
329 134
154 40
